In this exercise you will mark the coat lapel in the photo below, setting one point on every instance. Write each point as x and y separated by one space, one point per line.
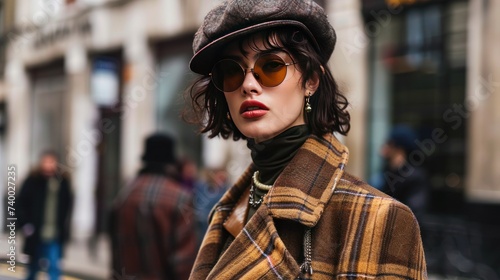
256 253
307 183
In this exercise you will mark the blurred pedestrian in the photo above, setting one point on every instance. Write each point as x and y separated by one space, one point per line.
188 174
405 181
206 194
45 203
295 212
152 221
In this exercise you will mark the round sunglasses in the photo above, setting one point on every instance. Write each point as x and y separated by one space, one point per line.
269 70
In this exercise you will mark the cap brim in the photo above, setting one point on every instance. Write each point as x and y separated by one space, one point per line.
204 59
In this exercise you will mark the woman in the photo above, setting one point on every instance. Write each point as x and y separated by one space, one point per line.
294 213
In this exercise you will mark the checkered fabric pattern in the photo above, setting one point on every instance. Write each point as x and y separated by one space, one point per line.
357 231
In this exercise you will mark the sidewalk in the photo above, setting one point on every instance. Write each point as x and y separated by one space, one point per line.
80 260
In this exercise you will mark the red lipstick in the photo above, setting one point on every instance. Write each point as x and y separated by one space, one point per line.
251 109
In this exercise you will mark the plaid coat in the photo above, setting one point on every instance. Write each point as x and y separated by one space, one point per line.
357 232
153 234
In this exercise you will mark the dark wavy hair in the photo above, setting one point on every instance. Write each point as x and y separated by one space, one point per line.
209 107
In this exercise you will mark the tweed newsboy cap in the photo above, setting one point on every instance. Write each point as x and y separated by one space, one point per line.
236 18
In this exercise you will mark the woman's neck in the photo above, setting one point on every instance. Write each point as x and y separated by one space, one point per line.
273 155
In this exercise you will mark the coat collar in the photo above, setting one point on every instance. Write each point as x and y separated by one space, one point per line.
304 186
307 183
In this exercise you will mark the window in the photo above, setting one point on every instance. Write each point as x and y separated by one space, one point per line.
173 78
418 74
48 110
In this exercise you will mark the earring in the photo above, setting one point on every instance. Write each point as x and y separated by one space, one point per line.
228 116
308 108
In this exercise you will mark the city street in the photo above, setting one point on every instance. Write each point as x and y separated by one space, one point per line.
20 273
81 261
402 95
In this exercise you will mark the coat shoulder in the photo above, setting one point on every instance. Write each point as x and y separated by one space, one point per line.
353 183
158 190
377 228
352 188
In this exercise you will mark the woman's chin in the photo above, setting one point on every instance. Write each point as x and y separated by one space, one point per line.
259 130
259 137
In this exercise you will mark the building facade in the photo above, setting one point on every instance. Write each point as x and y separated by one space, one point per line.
90 80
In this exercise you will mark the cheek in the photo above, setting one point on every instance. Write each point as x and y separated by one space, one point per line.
293 101
288 108
289 105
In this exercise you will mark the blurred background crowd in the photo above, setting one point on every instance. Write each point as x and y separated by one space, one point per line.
90 80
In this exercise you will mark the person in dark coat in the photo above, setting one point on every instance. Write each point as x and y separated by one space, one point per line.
44 207
152 220
404 180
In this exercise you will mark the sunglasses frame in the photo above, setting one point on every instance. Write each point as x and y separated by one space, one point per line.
245 70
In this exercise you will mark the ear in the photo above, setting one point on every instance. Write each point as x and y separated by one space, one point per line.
312 84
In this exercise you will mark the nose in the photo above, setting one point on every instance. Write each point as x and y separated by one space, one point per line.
251 84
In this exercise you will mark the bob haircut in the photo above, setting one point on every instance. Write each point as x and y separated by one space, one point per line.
329 114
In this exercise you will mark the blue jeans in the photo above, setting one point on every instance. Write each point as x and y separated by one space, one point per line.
51 252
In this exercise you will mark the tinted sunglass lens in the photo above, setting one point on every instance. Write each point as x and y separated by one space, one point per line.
227 75
271 69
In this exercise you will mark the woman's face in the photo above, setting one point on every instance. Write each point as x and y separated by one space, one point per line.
262 112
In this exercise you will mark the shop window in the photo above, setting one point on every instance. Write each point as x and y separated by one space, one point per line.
418 73
49 110
173 78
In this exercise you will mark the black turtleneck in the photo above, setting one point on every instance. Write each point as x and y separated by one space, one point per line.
273 155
